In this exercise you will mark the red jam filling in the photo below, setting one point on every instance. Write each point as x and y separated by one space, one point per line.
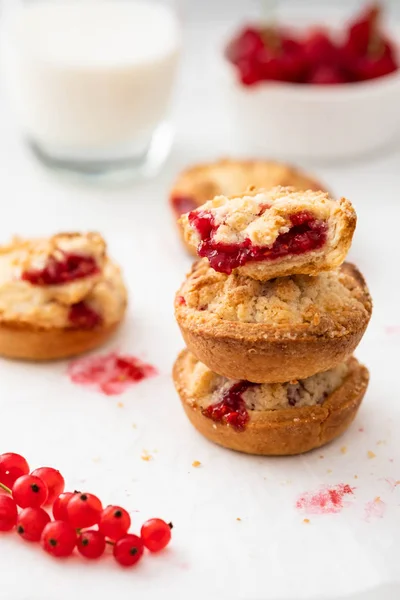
58 271
181 300
306 234
183 204
81 316
111 373
231 409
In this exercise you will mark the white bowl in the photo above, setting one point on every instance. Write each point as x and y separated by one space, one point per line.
315 121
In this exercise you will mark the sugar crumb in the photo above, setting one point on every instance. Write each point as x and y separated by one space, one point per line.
329 471
380 442
146 456
371 454
96 459
196 463
134 426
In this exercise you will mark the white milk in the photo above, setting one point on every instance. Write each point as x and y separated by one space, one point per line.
90 75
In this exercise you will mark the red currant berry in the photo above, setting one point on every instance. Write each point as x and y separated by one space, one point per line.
60 506
91 544
156 534
29 490
128 550
59 538
31 522
8 513
84 510
12 466
114 522
54 481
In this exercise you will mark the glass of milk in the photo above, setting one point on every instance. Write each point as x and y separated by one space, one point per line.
91 81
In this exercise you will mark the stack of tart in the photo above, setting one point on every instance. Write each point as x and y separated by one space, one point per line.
271 315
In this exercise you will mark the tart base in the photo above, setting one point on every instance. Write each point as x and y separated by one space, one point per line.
282 432
36 344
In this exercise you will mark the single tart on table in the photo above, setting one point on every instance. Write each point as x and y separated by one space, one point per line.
265 234
272 331
59 296
270 419
200 183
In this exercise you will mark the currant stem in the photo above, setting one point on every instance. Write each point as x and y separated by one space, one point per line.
110 542
5 488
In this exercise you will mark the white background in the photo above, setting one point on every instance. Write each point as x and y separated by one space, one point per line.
270 554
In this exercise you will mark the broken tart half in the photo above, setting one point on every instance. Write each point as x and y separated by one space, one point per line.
266 234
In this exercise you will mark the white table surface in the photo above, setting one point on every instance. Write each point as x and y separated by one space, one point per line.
270 554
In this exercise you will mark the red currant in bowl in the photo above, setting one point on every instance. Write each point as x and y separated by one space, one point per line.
296 89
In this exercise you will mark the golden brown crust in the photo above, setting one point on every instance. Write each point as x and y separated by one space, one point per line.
293 346
282 432
228 177
35 344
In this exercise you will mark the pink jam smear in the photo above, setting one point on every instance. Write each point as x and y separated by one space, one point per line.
59 271
305 234
325 501
111 373
231 409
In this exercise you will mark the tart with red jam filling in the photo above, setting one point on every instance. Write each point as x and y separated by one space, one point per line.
200 183
270 419
267 234
276 330
59 296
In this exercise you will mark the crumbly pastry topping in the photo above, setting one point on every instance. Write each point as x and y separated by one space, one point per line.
206 388
229 177
28 267
261 216
324 304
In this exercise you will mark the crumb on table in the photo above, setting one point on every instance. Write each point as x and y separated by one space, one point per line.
146 456
343 449
306 521
371 454
196 463
120 404
238 519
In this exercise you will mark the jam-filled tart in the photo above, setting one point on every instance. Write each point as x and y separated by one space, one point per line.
59 296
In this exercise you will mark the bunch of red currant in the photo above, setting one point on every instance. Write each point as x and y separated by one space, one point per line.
270 53
75 516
